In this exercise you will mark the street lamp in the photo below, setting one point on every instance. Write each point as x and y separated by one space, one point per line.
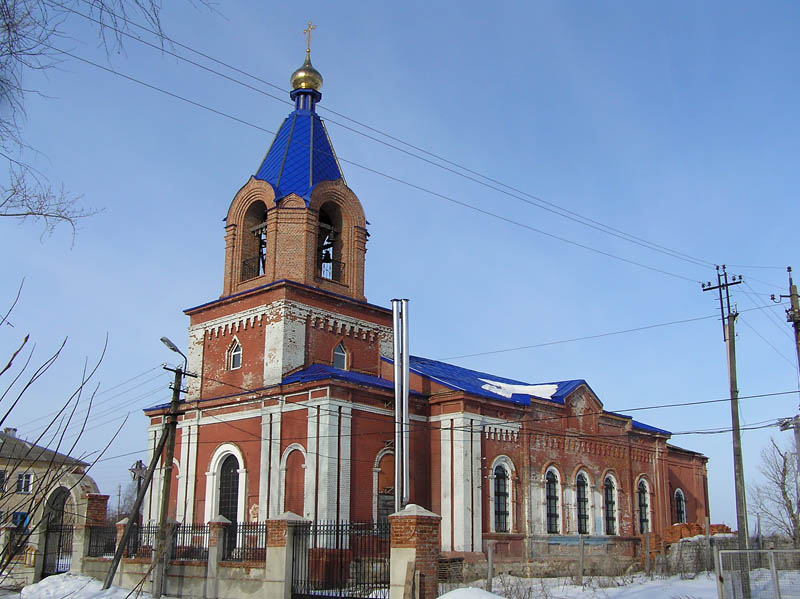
170 345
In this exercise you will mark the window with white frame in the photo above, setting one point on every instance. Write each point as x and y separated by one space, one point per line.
582 503
680 507
501 498
551 486
643 494
235 355
340 357
24 482
610 505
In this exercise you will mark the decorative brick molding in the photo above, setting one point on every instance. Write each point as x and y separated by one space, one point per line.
415 539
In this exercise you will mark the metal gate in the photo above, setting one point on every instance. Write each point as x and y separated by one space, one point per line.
57 549
346 560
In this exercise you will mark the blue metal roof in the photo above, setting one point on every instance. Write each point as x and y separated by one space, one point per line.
649 429
475 382
317 372
301 155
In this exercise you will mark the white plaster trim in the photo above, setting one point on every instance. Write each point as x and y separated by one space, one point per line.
560 494
589 502
212 486
376 469
613 479
282 487
508 466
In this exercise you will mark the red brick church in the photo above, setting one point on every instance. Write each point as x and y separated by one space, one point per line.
293 406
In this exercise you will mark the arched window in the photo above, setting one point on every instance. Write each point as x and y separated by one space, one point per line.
582 501
610 504
551 493
500 499
644 506
329 243
680 507
235 355
254 241
229 489
340 357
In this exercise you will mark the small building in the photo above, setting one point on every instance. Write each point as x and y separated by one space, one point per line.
292 408
43 495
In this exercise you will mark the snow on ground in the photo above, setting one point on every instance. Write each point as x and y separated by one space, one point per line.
629 587
74 586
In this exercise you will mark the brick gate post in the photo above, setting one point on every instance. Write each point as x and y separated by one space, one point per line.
280 542
415 543
217 528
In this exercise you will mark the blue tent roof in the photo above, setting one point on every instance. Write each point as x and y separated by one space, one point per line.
317 372
301 155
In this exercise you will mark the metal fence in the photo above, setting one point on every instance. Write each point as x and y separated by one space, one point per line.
245 542
142 542
102 541
758 574
340 559
190 543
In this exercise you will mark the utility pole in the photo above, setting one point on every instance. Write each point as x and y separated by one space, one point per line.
793 316
729 336
159 560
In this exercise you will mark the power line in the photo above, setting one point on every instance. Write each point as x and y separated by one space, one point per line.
383 174
530 199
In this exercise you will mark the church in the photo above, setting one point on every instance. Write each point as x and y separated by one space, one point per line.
292 406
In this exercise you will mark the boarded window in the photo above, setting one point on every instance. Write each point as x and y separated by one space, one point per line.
583 504
609 496
551 490
500 499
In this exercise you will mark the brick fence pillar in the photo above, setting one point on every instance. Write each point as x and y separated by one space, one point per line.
280 548
91 511
415 553
217 528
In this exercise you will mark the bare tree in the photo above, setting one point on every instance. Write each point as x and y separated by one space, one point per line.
33 470
778 497
28 31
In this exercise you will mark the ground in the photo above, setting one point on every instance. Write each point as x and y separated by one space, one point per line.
75 586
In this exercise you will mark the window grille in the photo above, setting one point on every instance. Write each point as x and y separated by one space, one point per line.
229 488
500 499
552 503
583 505
611 507
680 507
644 508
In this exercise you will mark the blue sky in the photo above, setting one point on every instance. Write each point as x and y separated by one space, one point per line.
674 122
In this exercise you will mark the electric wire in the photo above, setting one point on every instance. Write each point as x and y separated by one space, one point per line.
383 174
532 199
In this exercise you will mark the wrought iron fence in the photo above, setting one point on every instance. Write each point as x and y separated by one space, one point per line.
759 574
341 559
245 542
190 542
142 542
102 541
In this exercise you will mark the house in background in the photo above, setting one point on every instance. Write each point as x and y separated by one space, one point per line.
42 496
293 406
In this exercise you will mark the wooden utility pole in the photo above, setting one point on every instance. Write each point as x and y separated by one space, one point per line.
793 317
729 336
159 572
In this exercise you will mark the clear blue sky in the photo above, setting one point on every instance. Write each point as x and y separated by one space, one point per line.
677 123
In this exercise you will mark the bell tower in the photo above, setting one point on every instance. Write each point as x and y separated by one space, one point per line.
296 219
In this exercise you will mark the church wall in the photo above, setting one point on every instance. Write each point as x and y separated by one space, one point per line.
245 434
370 434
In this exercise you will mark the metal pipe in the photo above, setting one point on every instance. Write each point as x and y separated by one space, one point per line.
406 420
398 402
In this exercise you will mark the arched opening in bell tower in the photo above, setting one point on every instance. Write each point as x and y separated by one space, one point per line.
254 241
329 243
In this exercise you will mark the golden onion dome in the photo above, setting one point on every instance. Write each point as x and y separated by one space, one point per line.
307 77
